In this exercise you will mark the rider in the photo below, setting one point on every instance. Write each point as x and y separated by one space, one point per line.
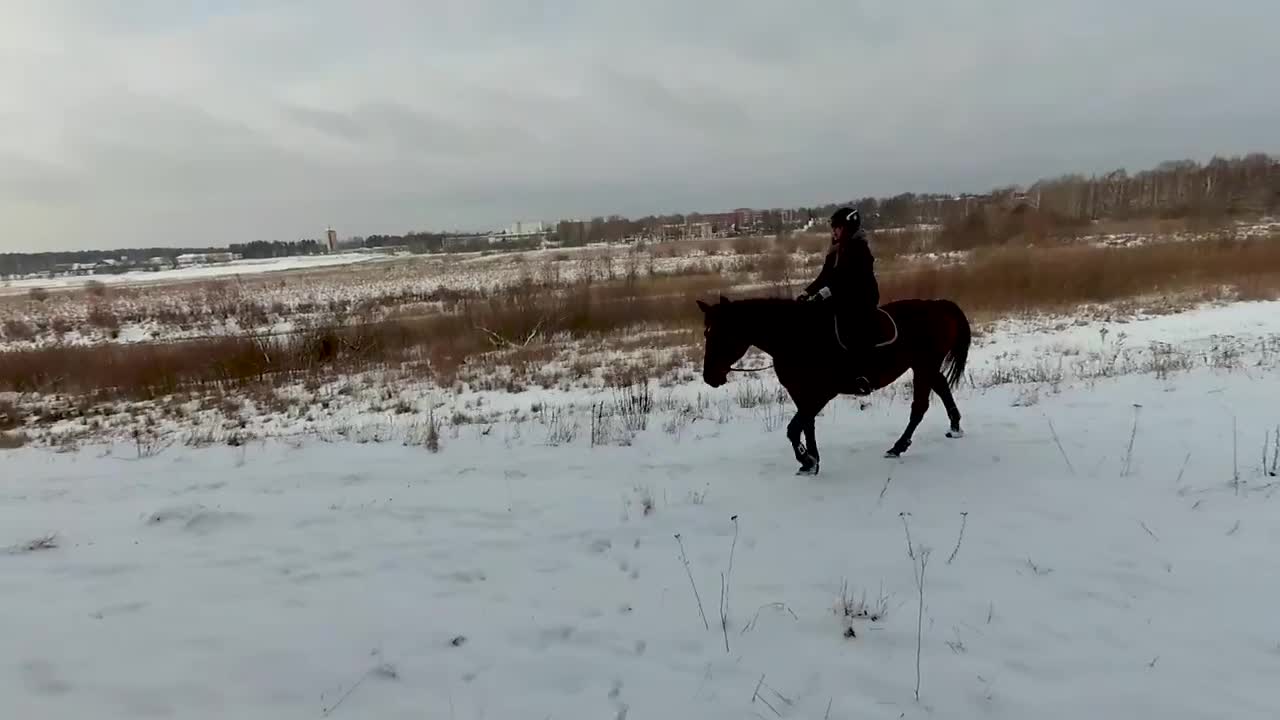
847 286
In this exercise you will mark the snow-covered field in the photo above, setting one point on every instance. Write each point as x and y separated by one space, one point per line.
1266 227
278 296
1099 545
196 272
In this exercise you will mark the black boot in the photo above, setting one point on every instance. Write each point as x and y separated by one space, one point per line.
862 385
853 337
861 359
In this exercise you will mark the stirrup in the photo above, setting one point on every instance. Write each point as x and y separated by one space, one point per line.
862 385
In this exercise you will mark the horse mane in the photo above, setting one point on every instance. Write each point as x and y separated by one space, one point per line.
759 312
766 303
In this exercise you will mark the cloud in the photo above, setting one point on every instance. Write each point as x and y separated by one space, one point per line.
152 122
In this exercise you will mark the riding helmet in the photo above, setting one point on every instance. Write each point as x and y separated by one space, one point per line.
848 218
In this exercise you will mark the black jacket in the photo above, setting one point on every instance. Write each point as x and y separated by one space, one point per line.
849 273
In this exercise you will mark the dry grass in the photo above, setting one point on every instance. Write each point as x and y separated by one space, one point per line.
12 441
1013 280
10 416
1152 226
527 326
994 226
18 330
521 320
102 316
44 542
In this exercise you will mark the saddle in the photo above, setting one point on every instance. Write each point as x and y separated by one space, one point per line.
884 329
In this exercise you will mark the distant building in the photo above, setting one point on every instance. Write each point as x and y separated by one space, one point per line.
572 232
686 231
526 228
520 230
746 218
331 236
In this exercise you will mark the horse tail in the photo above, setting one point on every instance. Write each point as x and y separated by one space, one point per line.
958 355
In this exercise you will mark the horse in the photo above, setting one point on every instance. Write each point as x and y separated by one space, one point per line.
931 337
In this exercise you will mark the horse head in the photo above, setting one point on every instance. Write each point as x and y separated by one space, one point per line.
726 342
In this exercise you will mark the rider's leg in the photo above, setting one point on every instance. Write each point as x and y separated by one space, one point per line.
861 343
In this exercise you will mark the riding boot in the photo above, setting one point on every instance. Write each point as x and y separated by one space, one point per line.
853 335
861 382
864 342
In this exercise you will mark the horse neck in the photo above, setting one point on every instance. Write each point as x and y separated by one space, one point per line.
774 326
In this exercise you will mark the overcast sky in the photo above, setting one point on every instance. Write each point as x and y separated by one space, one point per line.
157 122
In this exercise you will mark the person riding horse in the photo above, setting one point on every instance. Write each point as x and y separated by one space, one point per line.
847 289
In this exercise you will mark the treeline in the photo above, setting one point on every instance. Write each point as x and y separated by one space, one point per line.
615 228
417 242
1235 186
108 261
1238 186
29 263
1223 187
260 249
1248 185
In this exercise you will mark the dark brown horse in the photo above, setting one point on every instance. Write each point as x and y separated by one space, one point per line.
929 337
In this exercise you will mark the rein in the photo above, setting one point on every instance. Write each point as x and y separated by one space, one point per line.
751 370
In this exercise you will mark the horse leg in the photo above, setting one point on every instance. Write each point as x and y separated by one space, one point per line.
801 395
810 437
922 387
806 453
794 428
807 408
953 413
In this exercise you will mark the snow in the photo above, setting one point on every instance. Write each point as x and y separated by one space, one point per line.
1264 228
1239 326
198 272
1035 355
1102 570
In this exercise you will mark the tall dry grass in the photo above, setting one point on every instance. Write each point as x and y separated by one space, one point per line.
525 317
1018 279
997 226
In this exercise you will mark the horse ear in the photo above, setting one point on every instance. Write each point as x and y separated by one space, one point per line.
703 306
724 300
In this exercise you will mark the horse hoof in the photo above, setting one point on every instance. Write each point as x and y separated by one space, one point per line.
893 454
955 433
808 469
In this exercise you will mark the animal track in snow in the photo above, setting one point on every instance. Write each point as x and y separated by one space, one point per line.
119 609
464 576
41 678
197 518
